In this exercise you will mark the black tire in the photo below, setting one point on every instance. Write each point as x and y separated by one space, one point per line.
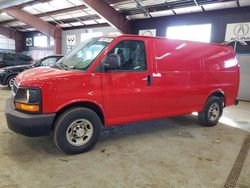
62 130
209 117
9 80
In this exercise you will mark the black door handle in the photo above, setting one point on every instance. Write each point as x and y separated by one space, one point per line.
149 80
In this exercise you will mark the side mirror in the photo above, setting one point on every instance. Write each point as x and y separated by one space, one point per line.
112 62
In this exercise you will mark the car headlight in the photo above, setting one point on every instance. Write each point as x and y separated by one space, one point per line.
2 71
27 99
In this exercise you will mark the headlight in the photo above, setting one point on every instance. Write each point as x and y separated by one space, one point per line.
2 71
28 100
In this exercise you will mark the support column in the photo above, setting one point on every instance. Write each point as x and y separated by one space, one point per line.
58 40
114 18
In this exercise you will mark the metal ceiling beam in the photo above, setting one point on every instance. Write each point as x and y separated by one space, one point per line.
83 18
198 5
146 13
51 13
174 12
160 7
64 21
20 4
114 18
31 20
70 28
116 1
15 35
7 3
39 24
81 9
62 11
169 5
238 3
87 26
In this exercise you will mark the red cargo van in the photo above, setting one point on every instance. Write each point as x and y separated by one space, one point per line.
114 80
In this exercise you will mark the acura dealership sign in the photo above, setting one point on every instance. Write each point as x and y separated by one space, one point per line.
238 31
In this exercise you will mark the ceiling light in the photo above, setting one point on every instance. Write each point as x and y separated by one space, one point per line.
4 14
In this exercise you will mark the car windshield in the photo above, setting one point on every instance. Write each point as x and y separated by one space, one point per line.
82 57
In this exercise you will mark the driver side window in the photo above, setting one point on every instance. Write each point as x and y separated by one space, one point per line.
127 55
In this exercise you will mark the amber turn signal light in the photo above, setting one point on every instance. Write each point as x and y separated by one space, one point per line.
27 107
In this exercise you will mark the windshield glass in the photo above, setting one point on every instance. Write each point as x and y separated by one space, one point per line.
82 57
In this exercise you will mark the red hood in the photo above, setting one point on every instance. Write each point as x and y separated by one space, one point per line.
37 76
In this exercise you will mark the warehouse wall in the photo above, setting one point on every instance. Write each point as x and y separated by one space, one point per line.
79 32
39 52
7 44
36 52
219 19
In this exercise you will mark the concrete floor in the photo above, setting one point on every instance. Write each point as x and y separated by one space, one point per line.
173 152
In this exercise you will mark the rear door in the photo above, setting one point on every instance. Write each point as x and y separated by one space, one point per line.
127 92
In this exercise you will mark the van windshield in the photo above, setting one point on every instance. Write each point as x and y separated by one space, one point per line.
83 56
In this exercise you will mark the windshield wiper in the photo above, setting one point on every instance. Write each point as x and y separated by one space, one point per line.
73 67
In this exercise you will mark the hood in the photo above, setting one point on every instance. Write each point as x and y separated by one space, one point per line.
19 67
41 75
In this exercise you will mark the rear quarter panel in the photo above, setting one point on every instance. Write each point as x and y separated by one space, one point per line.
221 71
187 73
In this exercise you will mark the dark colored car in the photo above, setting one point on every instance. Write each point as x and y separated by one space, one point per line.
8 74
13 59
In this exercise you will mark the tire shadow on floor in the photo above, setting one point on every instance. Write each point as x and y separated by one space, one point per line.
20 145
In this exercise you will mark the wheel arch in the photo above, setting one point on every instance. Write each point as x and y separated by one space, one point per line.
218 93
87 104
9 75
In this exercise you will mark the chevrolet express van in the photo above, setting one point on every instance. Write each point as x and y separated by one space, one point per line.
109 81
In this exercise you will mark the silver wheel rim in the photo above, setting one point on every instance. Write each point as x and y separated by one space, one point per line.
214 112
11 82
79 132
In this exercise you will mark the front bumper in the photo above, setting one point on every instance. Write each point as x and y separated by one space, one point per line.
28 124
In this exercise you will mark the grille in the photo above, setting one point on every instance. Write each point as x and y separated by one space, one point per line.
238 164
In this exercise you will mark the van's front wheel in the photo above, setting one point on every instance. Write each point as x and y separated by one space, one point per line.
77 130
212 112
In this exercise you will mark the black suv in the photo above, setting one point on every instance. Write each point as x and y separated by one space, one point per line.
13 59
8 74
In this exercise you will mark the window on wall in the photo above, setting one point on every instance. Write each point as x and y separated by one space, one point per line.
40 41
6 43
199 33
51 41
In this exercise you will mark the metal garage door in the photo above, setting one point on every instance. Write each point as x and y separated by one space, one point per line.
244 90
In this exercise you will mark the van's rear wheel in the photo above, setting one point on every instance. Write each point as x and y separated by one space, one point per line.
77 130
212 112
